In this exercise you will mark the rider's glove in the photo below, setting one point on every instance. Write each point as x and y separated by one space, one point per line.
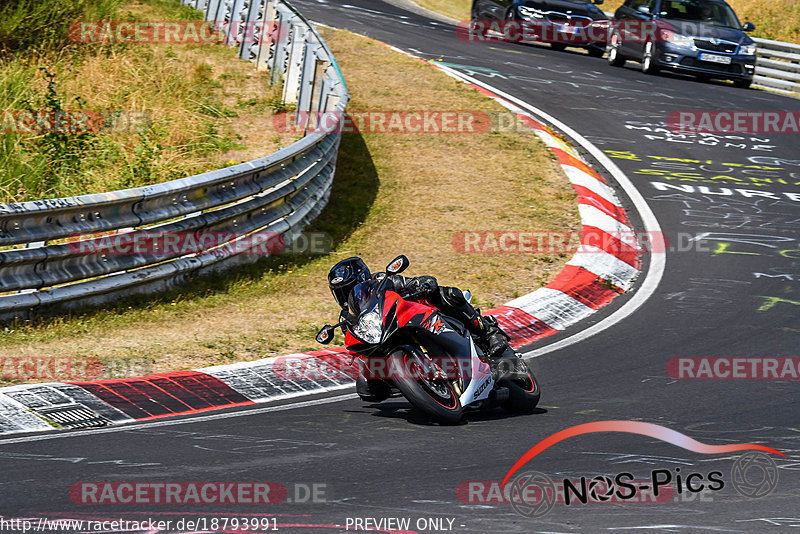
415 288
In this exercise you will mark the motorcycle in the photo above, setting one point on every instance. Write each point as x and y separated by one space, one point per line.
413 349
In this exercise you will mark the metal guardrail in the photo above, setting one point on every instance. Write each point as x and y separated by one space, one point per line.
778 66
40 269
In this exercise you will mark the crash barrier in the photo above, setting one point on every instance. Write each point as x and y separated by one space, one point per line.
53 251
778 66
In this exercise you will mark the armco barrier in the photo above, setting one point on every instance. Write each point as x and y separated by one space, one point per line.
778 66
281 193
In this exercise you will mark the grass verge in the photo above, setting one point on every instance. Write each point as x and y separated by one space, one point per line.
197 107
393 193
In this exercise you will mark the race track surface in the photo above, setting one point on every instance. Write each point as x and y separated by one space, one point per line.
733 294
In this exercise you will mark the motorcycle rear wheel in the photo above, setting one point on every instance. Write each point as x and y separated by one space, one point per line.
436 398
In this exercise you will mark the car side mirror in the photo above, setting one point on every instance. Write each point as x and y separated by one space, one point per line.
748 27
644 10
398 265
598 2
325 335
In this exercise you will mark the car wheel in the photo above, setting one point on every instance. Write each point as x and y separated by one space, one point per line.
615 59
743 84
595 51
482 30
558 46
648 62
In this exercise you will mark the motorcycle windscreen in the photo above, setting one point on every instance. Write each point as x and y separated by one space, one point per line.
361 295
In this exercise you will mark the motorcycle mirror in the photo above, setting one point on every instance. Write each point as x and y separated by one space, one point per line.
325 335
468 295
398 265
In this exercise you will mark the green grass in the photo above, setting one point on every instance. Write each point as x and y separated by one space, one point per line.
27 25
185 95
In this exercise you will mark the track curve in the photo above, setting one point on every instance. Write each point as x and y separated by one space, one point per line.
735 295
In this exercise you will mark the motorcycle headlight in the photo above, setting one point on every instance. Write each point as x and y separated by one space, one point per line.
748 50
529 13
369 327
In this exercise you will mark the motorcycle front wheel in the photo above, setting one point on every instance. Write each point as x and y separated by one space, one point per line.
523 390
435 397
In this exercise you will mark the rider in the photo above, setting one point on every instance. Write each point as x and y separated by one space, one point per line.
346 274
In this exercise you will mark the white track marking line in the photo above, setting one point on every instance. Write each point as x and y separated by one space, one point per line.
658 261
134 425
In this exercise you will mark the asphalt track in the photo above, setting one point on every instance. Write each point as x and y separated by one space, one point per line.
736 299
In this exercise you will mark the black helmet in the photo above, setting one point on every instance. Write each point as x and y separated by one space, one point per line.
344 276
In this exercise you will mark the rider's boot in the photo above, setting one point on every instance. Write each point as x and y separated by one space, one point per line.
371 389
484 328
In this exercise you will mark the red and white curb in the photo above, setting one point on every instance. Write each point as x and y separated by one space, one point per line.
589 281
594 275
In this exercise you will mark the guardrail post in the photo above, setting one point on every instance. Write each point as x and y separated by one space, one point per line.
317 88
234 29
307 77
216 13
252 30
294 68
268 27
278 60
211 9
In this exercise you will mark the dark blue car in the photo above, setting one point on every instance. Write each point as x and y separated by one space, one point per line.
561 23
700 37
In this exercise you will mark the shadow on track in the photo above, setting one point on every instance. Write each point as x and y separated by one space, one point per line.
403 410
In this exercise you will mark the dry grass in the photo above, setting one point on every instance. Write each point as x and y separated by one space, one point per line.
458 9
412 192
774 19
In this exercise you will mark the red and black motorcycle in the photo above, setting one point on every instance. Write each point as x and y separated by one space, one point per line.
412 348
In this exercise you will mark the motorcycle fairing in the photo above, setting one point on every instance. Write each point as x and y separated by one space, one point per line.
482 383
